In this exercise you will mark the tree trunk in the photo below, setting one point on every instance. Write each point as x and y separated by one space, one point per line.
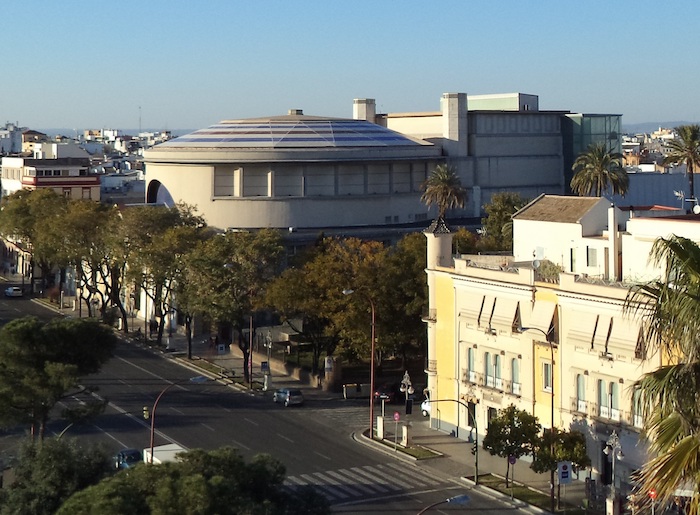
691 180
507 471
188 332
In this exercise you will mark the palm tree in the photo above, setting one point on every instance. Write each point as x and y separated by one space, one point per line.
686 150
668 397
597 170
444 189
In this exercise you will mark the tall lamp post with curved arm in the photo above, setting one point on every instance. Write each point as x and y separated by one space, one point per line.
196 379
371 362
551 429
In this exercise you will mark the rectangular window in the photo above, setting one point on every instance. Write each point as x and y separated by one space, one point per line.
591 256
547 376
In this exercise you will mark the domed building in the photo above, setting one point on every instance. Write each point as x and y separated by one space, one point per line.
294 172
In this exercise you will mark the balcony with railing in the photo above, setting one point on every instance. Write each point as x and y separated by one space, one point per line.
605 413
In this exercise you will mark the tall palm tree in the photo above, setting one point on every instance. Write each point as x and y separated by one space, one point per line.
686 150
670 310
598 169
443 189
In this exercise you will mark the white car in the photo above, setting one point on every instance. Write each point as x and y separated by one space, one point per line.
13 291
425 408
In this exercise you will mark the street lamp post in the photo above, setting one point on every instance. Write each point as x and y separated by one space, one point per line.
196 379
551 429
371 363
476 434
613 449
406 387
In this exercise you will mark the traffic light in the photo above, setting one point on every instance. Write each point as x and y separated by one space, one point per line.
146 413
474 449
409 406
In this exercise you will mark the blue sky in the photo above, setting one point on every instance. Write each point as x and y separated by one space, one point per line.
188 64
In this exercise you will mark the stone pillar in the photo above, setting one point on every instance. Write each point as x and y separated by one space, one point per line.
454 124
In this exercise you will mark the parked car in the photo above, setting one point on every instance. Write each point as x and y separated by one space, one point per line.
425 408
127 458
13 291
288 396
389 392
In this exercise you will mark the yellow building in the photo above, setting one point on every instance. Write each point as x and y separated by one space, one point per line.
555 344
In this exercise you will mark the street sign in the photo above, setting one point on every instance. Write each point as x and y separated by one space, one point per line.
397 416
564 469
264 366
512 459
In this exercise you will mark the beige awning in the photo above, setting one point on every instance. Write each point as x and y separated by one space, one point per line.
582 329
504 314
542 315
470 313
624 334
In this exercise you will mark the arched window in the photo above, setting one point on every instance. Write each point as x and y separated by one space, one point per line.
603 409
515 376
580 393
498 381
614 401
488 369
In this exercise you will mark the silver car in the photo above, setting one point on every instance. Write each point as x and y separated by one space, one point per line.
13 291
288 396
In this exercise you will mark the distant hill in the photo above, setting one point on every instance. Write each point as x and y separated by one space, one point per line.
635 128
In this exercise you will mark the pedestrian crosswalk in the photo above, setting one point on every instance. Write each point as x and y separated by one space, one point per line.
347 416
343 485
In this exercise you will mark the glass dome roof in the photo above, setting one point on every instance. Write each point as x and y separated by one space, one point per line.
293 131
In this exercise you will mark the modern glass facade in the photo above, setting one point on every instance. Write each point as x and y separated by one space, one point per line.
580 130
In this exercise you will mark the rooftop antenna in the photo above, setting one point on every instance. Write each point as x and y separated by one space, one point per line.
139 119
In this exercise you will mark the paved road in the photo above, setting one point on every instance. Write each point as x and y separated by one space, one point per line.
315 441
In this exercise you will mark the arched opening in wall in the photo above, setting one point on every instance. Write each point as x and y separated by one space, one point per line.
159 194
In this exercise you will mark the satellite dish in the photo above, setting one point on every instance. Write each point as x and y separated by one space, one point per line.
696 209
536 264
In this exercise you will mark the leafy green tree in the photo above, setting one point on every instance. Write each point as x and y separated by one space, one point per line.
203 482
443 189
464 241
512 432
566 446
47 474
29 216
225 278
313 293
686 150
403 296
159 239
41 363
598 170
668 400
83 234
498 224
